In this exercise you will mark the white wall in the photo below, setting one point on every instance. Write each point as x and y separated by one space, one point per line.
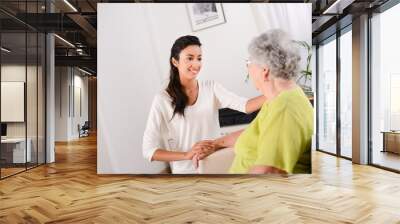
127 79
67 80
11 73
33 126
79 117
134 42
221 45
18 73
81 83
61 103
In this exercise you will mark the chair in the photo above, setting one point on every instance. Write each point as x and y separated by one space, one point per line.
84 130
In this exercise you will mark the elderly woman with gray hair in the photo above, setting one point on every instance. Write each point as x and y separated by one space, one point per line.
278 140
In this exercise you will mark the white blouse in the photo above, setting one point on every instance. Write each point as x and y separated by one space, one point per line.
199 123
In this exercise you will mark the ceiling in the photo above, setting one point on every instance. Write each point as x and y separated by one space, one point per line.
76 22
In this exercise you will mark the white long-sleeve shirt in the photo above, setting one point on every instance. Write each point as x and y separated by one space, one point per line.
199 123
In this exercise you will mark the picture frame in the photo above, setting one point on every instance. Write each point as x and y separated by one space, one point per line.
205 15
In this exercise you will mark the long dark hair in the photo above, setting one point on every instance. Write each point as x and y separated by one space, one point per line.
175 88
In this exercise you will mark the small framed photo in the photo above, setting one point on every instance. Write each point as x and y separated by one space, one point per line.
204 15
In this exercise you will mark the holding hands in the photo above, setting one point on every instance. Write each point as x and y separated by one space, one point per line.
201 150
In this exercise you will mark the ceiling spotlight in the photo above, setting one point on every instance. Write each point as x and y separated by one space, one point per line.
5 50
64 40
84 71
338 6
70 5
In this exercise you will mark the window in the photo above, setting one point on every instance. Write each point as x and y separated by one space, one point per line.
327 96
22 65
385 89
346 93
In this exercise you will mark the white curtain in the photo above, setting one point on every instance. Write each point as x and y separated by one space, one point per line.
294 18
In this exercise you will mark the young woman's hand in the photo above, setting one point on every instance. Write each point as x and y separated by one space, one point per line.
206 151
200 147
209 149
202 150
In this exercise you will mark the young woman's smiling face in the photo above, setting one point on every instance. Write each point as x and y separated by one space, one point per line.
189 63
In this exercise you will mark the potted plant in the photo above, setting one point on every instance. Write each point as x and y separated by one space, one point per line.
305 79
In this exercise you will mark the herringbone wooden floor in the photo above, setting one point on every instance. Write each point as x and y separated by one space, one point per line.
70 191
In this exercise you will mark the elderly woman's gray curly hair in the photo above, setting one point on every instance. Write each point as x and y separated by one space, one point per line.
278 52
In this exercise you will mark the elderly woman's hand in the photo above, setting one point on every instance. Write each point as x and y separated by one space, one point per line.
203 149
199 147
206 151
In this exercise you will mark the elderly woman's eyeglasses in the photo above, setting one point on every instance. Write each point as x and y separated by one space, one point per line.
248 62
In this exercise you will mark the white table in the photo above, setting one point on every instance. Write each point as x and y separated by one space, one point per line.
18 145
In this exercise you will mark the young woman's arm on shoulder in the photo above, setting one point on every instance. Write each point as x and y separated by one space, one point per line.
228 99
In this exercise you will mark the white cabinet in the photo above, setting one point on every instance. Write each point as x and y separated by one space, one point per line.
17 147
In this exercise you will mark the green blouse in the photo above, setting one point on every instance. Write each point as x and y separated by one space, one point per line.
280 136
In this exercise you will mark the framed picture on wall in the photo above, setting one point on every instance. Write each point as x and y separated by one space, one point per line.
204 15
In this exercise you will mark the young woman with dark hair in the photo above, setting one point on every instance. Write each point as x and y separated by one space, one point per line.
184 115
